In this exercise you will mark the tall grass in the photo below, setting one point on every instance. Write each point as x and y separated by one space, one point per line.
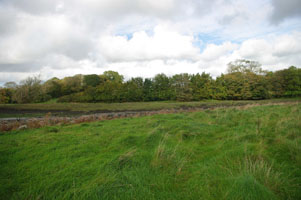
252 153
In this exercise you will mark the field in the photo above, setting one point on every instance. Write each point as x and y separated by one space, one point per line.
226 153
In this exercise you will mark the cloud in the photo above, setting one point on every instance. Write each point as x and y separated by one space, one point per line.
144 37
274 52
213 51
285 9
163 44
35 38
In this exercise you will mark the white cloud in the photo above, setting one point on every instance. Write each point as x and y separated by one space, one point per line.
36 37
163 44
274 52
213 51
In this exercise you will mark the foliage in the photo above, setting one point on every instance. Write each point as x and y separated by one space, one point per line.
53 87
72 84
180 85
30 91
112 76
202 86
91 80
10 85
133 90
5 95
245 66
162 87
286 82
245 80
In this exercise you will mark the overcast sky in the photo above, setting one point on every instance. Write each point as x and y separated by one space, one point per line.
58 38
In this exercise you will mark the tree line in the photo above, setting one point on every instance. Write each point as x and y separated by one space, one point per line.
244 80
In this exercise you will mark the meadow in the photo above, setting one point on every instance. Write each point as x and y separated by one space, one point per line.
226 153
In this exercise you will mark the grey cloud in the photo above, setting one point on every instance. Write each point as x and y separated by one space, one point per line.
8 20
284 9
33 6
116 9
24 67
229 19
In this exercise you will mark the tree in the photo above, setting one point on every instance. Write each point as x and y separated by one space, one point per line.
245 66
91 80
133 89
219 90
53 87
148 90
286 82
180 84
10 85
30 91
201 86
7 92
5 95
109 92
162 90
245 80
72 84
112 76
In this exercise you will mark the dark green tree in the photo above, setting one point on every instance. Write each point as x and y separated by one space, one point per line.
91 80
133 90
53 87
201 86
162 89
181 87
148 90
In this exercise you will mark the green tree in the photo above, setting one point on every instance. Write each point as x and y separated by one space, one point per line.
245 80
201 86
112 76
181 87
133 90
219 90
72 84
286 82
161 85
30 91
110 91
91 80
5 95
53 87
10 85
245 66
148 90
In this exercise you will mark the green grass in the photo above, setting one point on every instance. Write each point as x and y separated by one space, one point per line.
40 109
216 154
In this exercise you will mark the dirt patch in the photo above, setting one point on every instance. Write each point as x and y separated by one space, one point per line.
75 117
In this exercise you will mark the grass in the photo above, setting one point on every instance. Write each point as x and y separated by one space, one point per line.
40 109
252 153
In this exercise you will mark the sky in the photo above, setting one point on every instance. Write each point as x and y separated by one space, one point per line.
141 38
